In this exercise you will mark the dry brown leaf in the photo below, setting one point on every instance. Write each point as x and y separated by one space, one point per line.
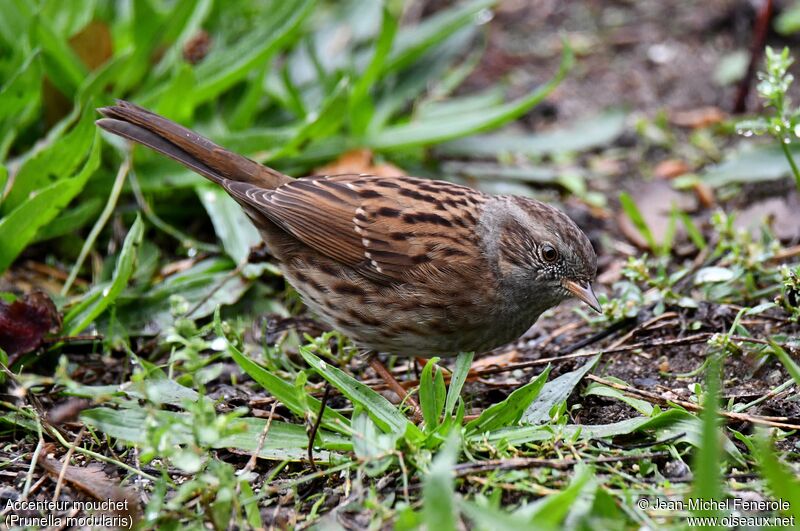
705 194
498 360
698 118
93 481
671 168
778 213
655 201
358 161
25 322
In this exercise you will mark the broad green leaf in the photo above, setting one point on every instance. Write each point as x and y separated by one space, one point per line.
438 489
457 379
596 389
70 220
193 294
96 301
388 418
15 21
20 97
3 180
19 227
287 393
176 102
234 229
584 134
554 393
67 18
371 445
421 133
427 395
283 441
754 163
442 109
146 30
55 162
509 411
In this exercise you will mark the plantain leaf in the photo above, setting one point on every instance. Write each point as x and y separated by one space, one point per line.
388 418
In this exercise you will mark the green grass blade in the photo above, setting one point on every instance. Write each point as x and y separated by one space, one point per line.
781 480
427 395
422 133
62 65
217 76
509 411
284 391
19 227
789 364
457 379
232 226
707 483
360 104
633 213
388 418
284 441
550 512
438 490
56 161
414 41
97 300
555 392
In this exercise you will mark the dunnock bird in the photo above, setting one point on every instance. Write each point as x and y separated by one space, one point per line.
401 265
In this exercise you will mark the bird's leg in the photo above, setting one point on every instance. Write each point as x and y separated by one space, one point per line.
381 370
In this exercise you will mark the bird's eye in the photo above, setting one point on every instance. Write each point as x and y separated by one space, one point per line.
549 253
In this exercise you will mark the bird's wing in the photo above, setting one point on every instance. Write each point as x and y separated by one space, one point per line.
392 229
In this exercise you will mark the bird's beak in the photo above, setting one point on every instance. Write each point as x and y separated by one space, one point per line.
583 291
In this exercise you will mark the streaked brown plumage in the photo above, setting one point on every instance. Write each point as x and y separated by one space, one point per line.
401 265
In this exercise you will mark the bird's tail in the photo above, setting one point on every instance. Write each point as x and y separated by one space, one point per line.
190 149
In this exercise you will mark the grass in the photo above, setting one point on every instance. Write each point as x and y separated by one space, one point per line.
204 409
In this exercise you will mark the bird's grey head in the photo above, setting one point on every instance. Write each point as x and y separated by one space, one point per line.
536 248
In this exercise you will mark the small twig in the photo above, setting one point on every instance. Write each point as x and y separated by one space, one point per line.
184 239
602 334
777 422
756 49
29 476
785 254
251 463
785 385
313 435
644 326
231 274
113 196
65 465
519 463
696 338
